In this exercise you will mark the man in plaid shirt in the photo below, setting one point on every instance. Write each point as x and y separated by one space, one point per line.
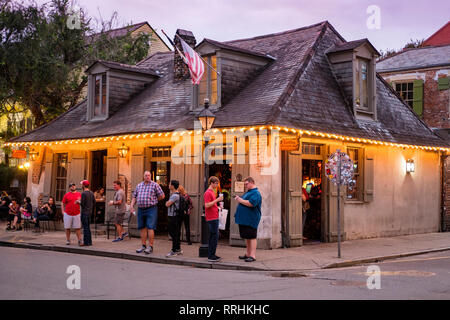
147 195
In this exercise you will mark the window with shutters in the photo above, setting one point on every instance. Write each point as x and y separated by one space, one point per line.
406 91
60 181
355 187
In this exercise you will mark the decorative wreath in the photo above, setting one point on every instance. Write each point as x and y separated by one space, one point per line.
347 169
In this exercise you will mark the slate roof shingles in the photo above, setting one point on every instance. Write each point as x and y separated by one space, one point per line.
300 78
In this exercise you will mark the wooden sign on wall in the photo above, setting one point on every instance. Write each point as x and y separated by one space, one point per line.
19 154
289 144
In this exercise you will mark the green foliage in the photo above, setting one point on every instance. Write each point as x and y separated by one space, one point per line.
7 175
42 60
392 52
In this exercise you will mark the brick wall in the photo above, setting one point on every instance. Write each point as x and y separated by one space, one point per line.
181 70
436 103
37 167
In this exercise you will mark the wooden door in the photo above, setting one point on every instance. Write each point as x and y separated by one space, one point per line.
294 224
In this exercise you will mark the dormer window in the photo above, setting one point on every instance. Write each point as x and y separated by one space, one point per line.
353 64
207 87
98 97
100 101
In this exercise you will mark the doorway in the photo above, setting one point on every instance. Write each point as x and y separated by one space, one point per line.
312 183
160 173
98 181
223 172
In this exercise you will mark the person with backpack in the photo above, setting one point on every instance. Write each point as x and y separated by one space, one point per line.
174 216
186 209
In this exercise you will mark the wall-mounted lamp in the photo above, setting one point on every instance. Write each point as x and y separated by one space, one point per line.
33 155
410 166
123 151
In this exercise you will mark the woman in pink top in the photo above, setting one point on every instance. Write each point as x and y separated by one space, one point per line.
212 217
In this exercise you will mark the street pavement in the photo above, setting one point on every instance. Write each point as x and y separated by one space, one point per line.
40 275
307 257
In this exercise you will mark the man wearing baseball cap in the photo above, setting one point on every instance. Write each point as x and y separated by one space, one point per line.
70 206
87 208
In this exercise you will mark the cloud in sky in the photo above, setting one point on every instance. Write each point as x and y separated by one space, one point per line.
401 20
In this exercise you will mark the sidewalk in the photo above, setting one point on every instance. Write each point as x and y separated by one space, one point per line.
307 257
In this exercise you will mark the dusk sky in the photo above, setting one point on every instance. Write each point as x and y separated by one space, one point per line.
400 20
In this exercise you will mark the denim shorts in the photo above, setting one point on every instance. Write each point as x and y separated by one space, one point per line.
147 217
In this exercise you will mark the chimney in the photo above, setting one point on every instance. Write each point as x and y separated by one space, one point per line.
181 70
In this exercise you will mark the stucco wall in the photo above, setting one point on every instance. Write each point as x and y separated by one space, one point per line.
403 203
269 185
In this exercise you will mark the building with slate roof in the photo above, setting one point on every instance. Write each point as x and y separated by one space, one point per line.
282 103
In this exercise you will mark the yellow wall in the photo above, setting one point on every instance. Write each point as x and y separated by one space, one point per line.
157 45
403 203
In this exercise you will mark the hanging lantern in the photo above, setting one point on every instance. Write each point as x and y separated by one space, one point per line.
123 151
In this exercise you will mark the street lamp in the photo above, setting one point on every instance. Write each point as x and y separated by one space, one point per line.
206 117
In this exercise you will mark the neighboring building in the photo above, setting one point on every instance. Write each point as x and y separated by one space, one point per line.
440 37
311 90
157 44
421 77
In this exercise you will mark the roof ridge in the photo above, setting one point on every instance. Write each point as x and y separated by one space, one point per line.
278 33
124 27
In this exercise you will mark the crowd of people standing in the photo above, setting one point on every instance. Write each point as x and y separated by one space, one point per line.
77 209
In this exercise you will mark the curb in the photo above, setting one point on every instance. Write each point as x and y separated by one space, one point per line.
351 263
130 256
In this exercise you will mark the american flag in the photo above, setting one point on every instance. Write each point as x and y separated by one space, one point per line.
193 60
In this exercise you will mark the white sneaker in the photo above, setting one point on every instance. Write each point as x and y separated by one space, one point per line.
148 250
171 254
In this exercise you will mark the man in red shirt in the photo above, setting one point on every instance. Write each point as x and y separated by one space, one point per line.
212 217
70 206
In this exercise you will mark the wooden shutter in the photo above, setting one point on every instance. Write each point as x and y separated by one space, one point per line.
443 83
193 184
112 174
49 174
331 193
418 97
368 175
137 173
294 190
77 172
